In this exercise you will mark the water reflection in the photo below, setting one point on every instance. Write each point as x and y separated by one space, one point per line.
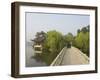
31 60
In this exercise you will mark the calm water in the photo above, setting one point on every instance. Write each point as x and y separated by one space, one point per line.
30 60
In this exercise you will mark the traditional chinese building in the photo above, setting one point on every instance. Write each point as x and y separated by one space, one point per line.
38 42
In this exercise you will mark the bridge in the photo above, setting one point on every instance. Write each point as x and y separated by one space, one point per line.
70 56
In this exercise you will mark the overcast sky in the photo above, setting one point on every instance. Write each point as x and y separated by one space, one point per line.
64 23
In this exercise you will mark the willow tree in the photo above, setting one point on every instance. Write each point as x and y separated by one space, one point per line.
53 45
82 40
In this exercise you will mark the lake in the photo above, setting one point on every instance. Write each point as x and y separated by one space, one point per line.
30 60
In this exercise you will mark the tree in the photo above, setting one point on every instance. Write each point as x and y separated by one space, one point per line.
39 38
82 40
54 41
69 37
84 29
88 28
52 46
78 31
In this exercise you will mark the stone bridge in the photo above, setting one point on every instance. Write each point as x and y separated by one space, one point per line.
70 56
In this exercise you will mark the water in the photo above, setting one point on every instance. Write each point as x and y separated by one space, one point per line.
30 60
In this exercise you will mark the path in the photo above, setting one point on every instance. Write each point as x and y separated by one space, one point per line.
74 56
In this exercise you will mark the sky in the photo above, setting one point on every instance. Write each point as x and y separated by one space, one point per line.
64 23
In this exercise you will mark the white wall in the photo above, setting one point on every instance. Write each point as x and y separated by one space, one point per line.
5 40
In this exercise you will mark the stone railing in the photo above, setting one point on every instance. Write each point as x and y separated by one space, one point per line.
57 61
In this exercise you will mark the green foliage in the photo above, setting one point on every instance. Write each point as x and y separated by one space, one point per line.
81 41
69 37
78 31
84 29
53 44
54 39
